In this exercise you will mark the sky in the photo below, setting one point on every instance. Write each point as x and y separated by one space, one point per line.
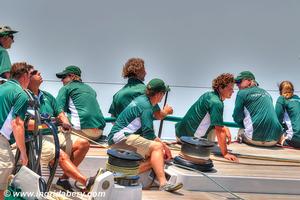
185 43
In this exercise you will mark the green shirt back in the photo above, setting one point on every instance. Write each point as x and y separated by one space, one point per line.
255 113
125 95
79 101
206 112
288 112
137 118
13 103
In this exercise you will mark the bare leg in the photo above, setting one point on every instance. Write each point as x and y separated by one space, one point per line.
157 162
70 170
79 150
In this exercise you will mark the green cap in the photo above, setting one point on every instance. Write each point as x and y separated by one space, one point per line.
244 75
69 70
6 30
158 85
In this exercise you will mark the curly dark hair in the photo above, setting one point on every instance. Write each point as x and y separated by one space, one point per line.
222 81
133 67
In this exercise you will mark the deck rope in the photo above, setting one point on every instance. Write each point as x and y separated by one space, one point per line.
125 171
214 181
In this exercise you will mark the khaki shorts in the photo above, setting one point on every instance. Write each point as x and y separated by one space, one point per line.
66 141
135 143
91 133
7 161
245 139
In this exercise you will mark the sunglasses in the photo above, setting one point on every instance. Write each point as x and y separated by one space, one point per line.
238 82
62 78
11 36
34 72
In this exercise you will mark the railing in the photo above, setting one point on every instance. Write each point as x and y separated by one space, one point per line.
176 119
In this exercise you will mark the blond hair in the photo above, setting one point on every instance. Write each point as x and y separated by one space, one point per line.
286 89
18 69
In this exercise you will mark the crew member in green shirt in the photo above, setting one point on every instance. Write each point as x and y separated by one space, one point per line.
73 148
133 130
254 113
134 71
79 101
207 114
288 112
13 106
6 40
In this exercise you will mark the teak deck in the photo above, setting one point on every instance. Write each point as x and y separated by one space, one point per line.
273 164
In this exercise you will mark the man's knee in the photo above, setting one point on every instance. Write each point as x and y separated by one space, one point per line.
82 144
156 146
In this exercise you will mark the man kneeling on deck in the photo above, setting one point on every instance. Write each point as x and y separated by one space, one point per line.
207 114
255 113
133 130
73 149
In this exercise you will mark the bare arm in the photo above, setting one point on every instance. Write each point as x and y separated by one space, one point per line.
64 121
224 138
168 110
19 134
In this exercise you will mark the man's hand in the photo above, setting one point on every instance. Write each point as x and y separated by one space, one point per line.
281 140
168 154
24 158
168 110
66 127
231 157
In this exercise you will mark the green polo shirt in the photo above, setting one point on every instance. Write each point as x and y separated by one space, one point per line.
125 95
255 113
79 101
288 112
5 63
204 114
137 118
13 103
48 106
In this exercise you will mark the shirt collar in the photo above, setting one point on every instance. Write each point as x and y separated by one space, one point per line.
134 80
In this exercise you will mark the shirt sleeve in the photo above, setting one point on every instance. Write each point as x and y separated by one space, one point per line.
156 108
238 112
5 63
279 108
147 125
54 105
216 113
62 98
20 106
112 109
